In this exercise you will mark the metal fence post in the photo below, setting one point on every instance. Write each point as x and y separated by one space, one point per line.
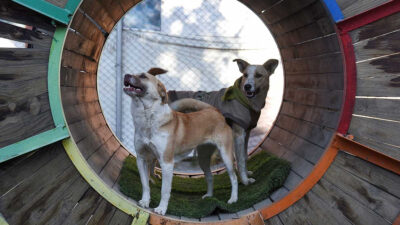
119 82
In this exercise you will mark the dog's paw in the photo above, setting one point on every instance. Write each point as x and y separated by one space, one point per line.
207 196
249 173
160 210
232 200
144 203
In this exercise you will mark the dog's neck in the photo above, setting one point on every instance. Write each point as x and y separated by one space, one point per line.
150 113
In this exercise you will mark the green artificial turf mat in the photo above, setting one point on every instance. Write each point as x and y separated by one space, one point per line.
269 171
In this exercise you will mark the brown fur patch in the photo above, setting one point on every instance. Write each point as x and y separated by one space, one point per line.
162 92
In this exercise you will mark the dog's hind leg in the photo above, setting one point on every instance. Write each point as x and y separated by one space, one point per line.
144 178
226 151
205 152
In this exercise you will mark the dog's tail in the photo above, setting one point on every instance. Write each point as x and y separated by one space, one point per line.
189 105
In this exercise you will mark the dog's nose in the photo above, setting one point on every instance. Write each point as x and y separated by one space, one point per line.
247 87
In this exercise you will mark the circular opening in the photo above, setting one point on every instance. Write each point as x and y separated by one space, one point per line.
196 42
312 100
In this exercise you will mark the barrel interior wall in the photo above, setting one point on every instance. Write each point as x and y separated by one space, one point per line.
24 103
314 81
313 94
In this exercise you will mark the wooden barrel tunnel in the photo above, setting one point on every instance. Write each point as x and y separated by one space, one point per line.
314 86
315 107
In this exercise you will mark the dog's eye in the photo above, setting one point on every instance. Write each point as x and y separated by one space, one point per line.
143 76
245 75
258 75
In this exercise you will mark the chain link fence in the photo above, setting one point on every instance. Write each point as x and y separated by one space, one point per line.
196 42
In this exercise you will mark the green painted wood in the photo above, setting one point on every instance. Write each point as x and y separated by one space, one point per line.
62 15
33 143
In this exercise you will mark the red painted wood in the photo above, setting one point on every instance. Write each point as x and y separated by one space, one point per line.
369 16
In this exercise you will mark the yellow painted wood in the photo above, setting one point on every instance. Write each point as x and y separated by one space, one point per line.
4 222
119 201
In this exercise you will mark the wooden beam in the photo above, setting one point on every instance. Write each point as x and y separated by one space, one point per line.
366 153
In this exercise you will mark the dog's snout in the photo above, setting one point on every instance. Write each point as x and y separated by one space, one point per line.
247 87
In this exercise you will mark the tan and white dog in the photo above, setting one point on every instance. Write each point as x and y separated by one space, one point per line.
164 134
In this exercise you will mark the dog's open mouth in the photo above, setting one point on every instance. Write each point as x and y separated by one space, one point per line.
132 88
250 94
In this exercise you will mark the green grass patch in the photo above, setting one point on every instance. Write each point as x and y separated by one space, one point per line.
269 171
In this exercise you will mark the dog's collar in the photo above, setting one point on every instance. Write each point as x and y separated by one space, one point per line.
234 93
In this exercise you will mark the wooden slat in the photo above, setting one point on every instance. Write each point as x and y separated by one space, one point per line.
320 98
120 218
355 7
378 47
98 159
114 9
370 196
111 171
312 210
79 44
298 145
258 6
315 134
328 81
23 56
25 120
379 131
14 12
84 208
79 62
350 207
301 18
128 4
320 46
103 214
320 28
381 108
273 221
86 28
323 117
35 187
374 77
98 13
284 9
377 28
331 63
75 78
15 33
373 174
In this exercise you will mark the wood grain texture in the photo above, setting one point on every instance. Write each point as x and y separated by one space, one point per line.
11 11
371 197
330 63
377 28
325 81
378 131
380 108
377 47
354 7
320 46
95 10
329 99
284 9
374 77
353 210
258 6
316 115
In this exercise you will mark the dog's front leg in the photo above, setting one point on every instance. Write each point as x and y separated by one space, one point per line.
144 178
167 172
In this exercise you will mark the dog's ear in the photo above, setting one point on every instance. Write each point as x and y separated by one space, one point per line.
156 71
271 65
162 92
241 64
